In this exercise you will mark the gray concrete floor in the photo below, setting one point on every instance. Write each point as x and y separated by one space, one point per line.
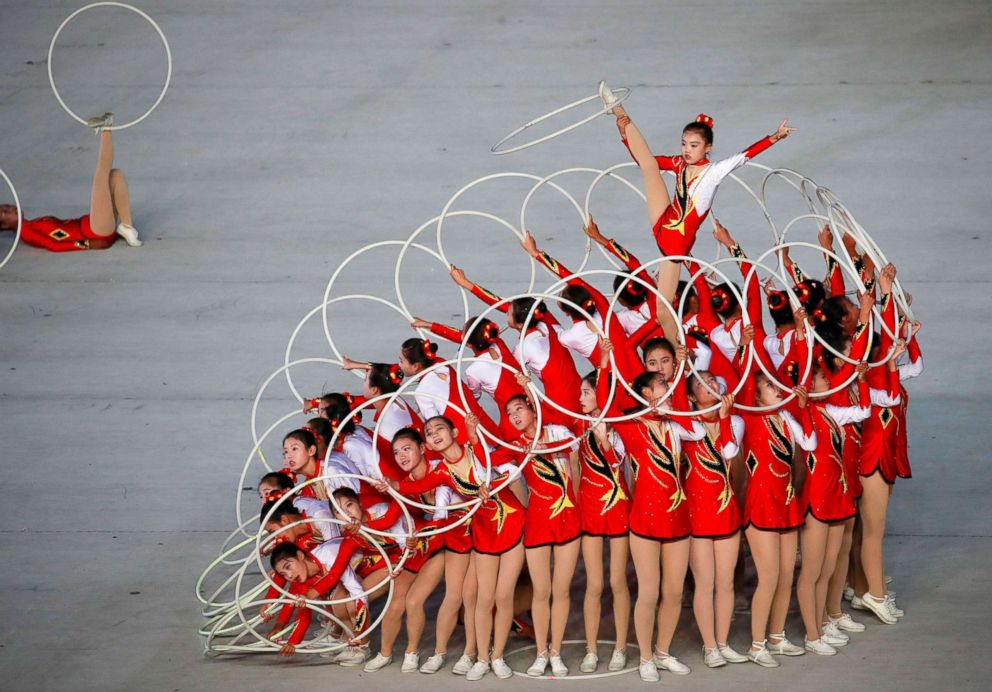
293 134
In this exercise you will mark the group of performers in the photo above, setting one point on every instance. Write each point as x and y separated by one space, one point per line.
790 441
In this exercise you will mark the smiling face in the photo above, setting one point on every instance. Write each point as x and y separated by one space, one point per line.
694 147
521 415
660 360
409 369
438 435
408 453
295 454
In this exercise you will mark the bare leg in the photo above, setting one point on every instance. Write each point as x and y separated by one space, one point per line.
814 538
835 537
835 590
647 558
102 220
120 196
654 185
539 567
858 580
394 613
565 558
725 552
423 586
764 550
455 567
510 564
701 559
592 557
788 541
621 591
674 564
874 506
470 597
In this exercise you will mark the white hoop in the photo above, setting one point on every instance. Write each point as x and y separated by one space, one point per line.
20 219
621 94
158 30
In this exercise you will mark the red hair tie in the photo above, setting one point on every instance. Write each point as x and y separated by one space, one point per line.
275 495
429 353
589 305
349 399
634 288
395 374
819 317
777 300
720 300
705 120
539 313
308 429
490 332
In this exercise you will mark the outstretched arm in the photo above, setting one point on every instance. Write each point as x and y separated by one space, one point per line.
487 297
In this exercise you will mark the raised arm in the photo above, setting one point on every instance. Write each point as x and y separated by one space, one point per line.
487 297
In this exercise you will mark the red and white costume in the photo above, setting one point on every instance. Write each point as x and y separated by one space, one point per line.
714 511
604 499
61 235
552 505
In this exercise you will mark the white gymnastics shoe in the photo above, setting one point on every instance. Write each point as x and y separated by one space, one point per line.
820 647
463 664
129 234
671 664
847 623
99 123
411 662
501 669
433 664
477 671
648 671
783 647
377 663
712 658
606 94
730 655
618 661
590 662
538 667
759 653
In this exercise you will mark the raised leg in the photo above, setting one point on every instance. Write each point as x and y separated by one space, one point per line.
102 220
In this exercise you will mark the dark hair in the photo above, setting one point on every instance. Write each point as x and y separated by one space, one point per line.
835 308
646 379
301 435
701 128
518 397
286 509
657 342
282 481
408 434
592 378
779 308
385 377
284 551
344 493
322 427
686 289
581 296
633 294
724 300
443 419
339 413
419 352
811 293
520 307
484 334
836 340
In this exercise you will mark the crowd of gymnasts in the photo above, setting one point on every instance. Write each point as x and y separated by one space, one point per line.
790 433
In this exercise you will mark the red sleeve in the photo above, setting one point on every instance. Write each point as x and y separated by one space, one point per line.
749 392
646 331
726 433
603 393
341 562
354 400
864 393
446 332
680 397
392 515
758 147
665 163
621 253
273 592
889 320
752 289
806 420
835 277
914 349
489 298
795 272
706 317
434 478
893 382
859 346
302 625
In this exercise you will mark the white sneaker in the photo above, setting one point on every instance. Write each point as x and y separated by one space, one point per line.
605 93
477 671
503 671
433 664
847 623
618 661
762 656
648 671
590 662
538 667
833 636
848 593
377 663
731 656
712 658
353 656
783 647
411 662
890 601
880 607
558 667
129 234
463 664
858 603
671 664
820 647
100 122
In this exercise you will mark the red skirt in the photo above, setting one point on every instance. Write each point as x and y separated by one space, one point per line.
498 525
826 494
713 508
770 503
659 510
852 457
604 504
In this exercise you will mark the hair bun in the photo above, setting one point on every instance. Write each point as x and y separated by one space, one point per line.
705 120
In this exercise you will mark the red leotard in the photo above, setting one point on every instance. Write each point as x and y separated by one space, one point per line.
552 509
675 230
62 235
604 499
713 508
497 526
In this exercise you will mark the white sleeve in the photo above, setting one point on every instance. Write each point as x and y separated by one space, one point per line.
881 397
473 383
724 341
731 448
807 443
910 370
442 498
843 415
362 455
533 353
702 356
694 432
